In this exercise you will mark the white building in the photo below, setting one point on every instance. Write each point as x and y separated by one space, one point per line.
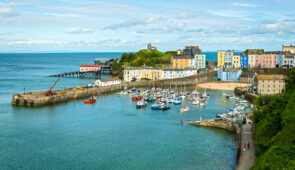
168 74
87 68
132 73
191 62
289 61
190 72
108 82
199 61
178 73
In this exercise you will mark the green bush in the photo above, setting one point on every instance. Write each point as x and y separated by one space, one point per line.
274 129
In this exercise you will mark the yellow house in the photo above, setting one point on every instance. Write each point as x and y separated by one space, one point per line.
152 73
220 58
180 62
236 61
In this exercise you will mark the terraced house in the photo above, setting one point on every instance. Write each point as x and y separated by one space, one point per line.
244 61
269 60
181 62
132 73
236 61
224 58
152 73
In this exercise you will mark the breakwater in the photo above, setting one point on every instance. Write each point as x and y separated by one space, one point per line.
35 99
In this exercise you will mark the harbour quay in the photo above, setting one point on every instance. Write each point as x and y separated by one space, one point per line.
37 99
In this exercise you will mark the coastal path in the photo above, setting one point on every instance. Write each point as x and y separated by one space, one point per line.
247 157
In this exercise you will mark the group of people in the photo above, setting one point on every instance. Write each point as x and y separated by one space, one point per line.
246 145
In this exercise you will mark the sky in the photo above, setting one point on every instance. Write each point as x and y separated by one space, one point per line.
127 26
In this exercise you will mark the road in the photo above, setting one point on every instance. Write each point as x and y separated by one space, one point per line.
247 157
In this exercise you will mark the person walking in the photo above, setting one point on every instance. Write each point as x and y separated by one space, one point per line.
244 147
248 145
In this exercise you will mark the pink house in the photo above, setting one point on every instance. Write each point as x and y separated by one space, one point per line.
269 60
252 61
258 61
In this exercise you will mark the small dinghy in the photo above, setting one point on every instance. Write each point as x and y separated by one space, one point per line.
90 101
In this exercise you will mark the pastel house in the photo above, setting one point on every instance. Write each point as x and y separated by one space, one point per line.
229 74
244 61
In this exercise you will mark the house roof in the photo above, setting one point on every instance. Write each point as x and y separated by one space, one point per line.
290 56
247 74
89 65
230 70
182 57
270 77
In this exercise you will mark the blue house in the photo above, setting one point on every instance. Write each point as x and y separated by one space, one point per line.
244 61
229 74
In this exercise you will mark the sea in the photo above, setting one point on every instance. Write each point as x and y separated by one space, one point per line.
110 134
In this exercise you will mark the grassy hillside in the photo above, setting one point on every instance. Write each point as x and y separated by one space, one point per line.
275 129
149 58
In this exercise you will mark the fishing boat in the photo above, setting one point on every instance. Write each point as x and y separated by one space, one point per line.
151 99
176 102
141 104
90 101
158 96
184 109
164 107
169 101
135 98
156 106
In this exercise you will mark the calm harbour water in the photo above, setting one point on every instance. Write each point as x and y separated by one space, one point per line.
111 134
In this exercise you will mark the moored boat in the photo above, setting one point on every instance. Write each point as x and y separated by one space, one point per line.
177 102
141 104
164 107
184 109
90 101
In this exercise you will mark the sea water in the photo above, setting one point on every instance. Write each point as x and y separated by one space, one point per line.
110 134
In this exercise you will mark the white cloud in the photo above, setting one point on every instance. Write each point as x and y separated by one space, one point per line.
243 4
80 31
136 22
230 14
186 15
37 42
6 11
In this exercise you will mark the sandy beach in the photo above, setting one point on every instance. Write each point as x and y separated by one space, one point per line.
222 85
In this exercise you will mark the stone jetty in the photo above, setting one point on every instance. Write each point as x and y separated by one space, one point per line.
221 124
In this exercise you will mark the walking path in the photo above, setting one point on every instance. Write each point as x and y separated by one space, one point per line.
247 157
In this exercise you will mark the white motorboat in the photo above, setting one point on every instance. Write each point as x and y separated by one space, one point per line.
184 109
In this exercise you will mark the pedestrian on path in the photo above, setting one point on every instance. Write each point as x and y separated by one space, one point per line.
244 147
248 145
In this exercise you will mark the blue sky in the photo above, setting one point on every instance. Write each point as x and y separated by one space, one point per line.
113 25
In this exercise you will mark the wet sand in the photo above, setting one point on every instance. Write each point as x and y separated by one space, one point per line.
222 85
